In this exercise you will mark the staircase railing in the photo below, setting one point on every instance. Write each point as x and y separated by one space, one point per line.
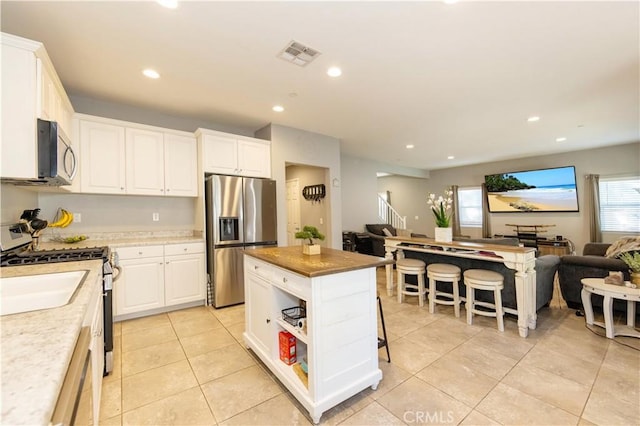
388 214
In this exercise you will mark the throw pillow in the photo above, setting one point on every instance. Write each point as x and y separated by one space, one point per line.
387 232
622 245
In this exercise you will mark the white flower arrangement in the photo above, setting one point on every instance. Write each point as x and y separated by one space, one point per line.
441 208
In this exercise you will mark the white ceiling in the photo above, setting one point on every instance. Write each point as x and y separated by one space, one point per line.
455 80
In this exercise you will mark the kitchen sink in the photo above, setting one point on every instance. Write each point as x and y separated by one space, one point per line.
34 292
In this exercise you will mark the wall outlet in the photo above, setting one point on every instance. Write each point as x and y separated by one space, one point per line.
156 217
77 217
321 221
416 217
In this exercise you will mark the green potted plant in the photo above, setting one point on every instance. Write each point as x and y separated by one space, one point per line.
633 262
310 233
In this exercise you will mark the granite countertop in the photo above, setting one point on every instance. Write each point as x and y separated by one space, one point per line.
115 242
330 261
37 346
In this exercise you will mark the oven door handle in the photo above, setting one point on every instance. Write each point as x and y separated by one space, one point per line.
116 276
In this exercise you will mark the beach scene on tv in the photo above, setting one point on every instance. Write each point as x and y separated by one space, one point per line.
547 190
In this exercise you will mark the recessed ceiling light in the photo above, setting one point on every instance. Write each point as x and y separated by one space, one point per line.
410 146
451 157
169 4
334 72
151 73
534 118
278 108
561 139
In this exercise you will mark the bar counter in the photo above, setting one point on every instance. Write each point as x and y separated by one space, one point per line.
520 259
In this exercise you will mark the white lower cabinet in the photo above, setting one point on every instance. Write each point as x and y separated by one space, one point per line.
340 340
157 277
184 273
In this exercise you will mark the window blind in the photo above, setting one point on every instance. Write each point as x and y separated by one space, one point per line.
620 204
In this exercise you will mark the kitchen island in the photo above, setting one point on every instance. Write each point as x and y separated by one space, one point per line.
520 260
329 304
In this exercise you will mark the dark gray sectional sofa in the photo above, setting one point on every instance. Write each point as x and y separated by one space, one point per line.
592 264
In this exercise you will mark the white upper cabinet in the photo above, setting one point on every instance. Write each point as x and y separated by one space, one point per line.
234 155
119 158
18 111
53 104
254 158
145 162
30 90
220 155
102 159
180 165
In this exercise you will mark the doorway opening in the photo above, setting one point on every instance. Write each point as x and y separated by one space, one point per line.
314 211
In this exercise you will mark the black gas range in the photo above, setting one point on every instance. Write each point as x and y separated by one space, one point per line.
16 250
35 257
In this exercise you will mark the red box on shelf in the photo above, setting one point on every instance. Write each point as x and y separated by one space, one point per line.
287 347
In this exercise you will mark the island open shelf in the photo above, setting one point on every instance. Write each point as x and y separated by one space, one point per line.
339 335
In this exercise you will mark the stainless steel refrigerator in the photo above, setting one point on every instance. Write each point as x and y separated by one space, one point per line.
240 215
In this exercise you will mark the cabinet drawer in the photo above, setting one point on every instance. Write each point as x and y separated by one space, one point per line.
140 252
187 248
254 266
292 283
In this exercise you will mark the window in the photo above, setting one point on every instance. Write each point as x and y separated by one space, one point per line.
620 204
470 206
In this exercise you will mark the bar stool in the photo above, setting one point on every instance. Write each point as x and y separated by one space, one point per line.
411 267
482 279
446 273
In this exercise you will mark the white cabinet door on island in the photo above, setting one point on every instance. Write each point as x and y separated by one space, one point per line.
338 337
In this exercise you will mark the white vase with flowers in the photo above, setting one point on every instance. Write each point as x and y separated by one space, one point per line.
441 208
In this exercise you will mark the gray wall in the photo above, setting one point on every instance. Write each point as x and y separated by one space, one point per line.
15 199
152 118
359 193
409 198
119 213
298 147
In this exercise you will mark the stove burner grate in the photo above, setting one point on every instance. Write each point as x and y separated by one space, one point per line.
55 256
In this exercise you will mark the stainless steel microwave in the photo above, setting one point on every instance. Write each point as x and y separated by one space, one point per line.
57 162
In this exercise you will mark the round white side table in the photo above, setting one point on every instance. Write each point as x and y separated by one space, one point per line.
610 292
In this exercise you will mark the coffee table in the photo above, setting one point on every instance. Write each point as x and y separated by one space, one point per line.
610 292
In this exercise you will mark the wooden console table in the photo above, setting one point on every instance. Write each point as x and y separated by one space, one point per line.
529 235
520 259
557 247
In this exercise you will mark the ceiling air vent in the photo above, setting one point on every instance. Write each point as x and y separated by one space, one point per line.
298 53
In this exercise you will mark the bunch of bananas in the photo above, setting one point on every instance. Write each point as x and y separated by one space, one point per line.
62 220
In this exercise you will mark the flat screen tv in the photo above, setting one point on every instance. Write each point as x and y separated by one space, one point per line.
543 190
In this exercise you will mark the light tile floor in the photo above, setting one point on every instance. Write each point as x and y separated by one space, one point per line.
190 367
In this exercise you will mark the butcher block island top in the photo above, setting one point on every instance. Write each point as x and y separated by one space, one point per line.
330 261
